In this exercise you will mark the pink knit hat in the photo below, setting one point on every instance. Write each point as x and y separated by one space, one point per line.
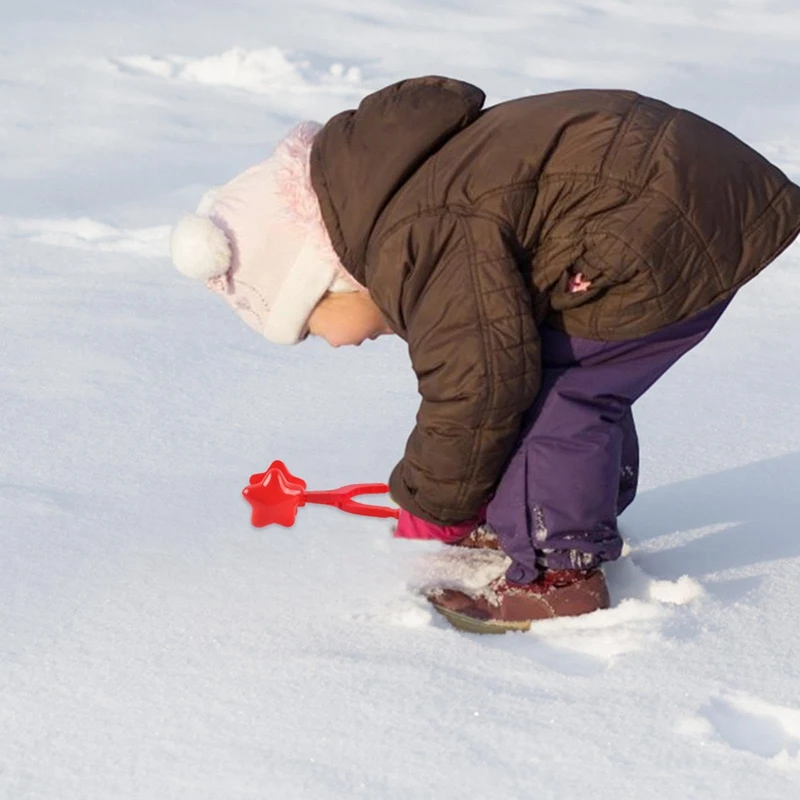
260 241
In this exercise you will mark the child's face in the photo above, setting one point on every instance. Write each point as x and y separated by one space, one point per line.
343 318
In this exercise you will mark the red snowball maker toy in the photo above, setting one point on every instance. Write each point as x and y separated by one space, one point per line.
276 494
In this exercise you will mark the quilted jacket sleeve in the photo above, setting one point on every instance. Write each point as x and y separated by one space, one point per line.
450 285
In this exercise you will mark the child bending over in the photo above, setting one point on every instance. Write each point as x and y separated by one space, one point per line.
546 260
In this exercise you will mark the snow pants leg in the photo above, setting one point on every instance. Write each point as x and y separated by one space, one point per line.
576 464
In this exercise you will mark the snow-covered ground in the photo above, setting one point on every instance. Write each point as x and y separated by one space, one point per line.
154 645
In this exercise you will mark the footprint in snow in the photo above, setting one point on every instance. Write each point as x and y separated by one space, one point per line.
752 725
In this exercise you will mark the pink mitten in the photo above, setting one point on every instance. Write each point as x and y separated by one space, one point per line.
411 527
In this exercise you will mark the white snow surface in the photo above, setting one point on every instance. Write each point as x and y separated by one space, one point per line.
153 644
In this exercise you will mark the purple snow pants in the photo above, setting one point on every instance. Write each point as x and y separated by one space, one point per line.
576 464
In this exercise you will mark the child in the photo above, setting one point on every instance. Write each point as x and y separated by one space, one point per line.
546 260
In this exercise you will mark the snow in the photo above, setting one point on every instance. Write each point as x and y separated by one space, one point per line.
153 644
266 71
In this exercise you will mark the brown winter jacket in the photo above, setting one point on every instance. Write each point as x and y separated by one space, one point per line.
466 225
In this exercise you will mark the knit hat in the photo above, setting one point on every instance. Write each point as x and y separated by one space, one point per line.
260 241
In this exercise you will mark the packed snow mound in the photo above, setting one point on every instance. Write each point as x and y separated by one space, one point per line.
264 71
645 614
88 234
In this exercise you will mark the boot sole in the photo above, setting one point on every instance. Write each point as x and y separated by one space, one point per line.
471 625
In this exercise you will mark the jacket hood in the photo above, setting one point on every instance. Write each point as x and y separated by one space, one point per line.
363 156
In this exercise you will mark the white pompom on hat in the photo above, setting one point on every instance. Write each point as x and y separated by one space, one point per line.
260 241
199 248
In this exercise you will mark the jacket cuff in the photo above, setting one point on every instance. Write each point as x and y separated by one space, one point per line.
401 493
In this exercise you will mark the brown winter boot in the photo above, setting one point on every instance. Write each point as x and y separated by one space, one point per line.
482 538
502 606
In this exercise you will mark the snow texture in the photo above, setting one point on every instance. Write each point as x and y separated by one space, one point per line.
153 644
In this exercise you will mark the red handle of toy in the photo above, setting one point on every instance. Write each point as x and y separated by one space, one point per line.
342 498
